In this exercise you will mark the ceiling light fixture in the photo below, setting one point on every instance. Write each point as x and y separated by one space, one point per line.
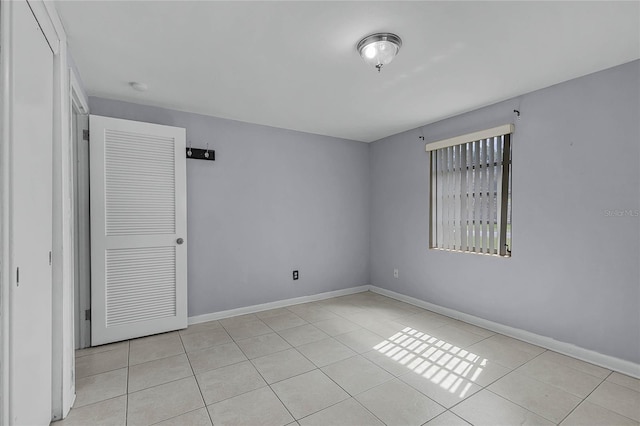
379 49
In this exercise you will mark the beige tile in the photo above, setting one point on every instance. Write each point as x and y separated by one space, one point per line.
227 382
163 402
248 329
282 365
102 362
272 313
302 335
100 387
336 326
394 364
112 412
215 357
238 320
199 417
284 321
483 372
357 374
471 328
588 414
325 352
626 381
619 399
443 386
565 378
517 344
153 373
205 339
452 359
501 352
576 364
461 362
488 409
386 310
346 413
155 347
307 393
456 336
361 340
196 328
312 313
406 307
541 398
396 403
255 408
424 322
255 347
341 308
447 419
101 348
384 328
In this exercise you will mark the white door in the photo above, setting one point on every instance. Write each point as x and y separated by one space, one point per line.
138 229
31 222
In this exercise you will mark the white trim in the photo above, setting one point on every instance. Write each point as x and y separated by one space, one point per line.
77 97
612 363
505 129
80 258
6 99
63 381
42 14
606 361
273 305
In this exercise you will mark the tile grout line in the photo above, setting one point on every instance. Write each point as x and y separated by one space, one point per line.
267 383
516 403
582 399
364 308
317 368
585 400
524 408
463 348
195 378
486 387
126 410
175 417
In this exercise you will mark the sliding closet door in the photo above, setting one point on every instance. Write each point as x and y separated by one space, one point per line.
138 229
30 221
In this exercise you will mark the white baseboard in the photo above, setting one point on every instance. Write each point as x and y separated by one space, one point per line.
606 361
277 304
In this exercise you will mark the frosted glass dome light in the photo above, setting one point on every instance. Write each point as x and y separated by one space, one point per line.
379 49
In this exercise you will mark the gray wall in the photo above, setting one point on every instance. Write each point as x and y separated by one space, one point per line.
273 201
574 274
346 214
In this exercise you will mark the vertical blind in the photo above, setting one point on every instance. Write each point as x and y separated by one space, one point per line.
470 192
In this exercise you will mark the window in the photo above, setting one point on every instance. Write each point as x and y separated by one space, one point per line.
471 192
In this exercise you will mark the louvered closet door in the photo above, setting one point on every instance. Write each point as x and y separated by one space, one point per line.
138 229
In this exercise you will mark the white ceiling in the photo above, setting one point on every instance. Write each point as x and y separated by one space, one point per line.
294 65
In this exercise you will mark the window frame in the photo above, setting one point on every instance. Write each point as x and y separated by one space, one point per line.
503 212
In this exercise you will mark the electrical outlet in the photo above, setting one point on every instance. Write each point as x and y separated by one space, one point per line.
295 275
395 273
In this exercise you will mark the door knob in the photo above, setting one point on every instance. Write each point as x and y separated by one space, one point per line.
180 241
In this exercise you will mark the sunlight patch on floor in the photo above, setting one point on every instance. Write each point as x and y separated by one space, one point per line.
446 365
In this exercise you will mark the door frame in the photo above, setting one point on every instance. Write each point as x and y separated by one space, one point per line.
63 381
5 185
81 261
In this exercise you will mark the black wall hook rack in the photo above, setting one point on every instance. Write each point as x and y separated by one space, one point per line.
201 154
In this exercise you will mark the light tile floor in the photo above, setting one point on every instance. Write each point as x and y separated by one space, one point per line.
362 359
